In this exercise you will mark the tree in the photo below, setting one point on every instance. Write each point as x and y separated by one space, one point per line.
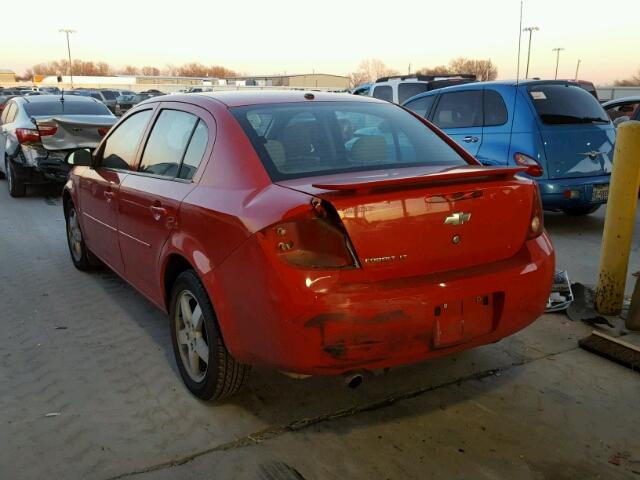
483 69
150 71
634 81
370 70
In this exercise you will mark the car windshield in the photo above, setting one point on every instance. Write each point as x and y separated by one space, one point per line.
560 104
56 107
307 139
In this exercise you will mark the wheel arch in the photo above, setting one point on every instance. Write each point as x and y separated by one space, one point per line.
174 265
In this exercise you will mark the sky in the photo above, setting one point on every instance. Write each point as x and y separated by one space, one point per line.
332 36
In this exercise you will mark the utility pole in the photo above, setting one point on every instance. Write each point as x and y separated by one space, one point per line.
557 50
530 30
409 71
577 68
67 31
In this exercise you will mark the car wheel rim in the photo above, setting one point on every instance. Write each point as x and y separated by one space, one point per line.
74 234
191 335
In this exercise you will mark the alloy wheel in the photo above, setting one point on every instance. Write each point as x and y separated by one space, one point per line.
191 335
74 235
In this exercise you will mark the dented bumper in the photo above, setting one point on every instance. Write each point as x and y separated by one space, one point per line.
332 322
42 164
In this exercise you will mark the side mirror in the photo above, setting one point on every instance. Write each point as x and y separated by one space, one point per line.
619 120
79 158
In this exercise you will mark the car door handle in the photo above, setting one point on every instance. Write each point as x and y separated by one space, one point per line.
158 212
470 139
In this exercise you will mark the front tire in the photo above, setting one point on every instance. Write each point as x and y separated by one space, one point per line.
206 366
580 211
17 187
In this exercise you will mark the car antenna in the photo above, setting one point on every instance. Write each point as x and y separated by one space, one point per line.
517 89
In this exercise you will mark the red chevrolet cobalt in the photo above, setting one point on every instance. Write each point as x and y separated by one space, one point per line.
318 234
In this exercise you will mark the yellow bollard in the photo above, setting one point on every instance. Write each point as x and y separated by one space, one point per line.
618 224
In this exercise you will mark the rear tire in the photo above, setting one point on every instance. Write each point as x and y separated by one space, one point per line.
580 211
81 256
17 188
206 366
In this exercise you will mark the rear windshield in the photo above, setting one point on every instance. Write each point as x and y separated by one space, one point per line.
109 95
307 139
566 104
56 107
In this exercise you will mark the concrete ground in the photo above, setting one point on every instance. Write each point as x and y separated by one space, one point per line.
89 389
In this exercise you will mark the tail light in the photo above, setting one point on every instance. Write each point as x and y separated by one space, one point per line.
315 239
533 168
102 131
27 135
536 225
47 130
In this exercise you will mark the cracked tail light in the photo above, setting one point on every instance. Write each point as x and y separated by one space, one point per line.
102 131
315 239
536 225
26 136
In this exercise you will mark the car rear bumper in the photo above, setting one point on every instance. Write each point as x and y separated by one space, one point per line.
553 192
317 323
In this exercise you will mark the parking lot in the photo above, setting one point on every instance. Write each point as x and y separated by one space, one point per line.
89 388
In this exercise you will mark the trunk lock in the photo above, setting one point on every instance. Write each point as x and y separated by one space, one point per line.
456 240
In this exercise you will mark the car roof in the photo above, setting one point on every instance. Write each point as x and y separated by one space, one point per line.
260 97
48 98
493 83
632 98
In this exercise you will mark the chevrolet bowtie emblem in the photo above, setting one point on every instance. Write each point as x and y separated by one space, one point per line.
592 154
457 218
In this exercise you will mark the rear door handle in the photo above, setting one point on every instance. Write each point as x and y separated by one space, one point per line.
470 139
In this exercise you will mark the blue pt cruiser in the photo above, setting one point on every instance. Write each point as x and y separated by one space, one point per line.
553 124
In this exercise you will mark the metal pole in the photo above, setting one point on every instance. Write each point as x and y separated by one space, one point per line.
530 30
577 68
67 31
619 220
557 50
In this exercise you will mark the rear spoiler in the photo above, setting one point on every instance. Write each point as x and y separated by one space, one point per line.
454 174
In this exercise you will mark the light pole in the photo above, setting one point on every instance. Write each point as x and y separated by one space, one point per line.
577 68
530 30
557 50
67 31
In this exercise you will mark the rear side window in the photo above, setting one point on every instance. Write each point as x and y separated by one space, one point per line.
495 111
383 92
9 113
459 110
422 106
68 107
410 89
309 139
120 148
195 151
563 104
167 143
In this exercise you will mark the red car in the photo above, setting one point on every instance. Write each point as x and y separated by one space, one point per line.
318 234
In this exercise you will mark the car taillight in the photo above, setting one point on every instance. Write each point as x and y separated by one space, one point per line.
536 225
47 130
27 135
315 239
533 168
102 131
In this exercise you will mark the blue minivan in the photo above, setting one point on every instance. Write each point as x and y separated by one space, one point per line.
551 124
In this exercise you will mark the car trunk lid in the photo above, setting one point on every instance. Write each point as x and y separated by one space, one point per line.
65 132
428 219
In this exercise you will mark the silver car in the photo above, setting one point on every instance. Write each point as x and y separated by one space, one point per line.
37 132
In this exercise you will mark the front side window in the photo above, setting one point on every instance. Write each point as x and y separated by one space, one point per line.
410 89
383 92
167 143
309 139
120 148
564 104
459 110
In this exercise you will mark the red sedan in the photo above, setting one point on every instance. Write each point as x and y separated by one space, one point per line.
319 234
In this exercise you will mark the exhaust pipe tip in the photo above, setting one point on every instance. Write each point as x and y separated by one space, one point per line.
353 380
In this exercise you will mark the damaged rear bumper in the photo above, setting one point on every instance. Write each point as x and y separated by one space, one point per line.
39 165
321 323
